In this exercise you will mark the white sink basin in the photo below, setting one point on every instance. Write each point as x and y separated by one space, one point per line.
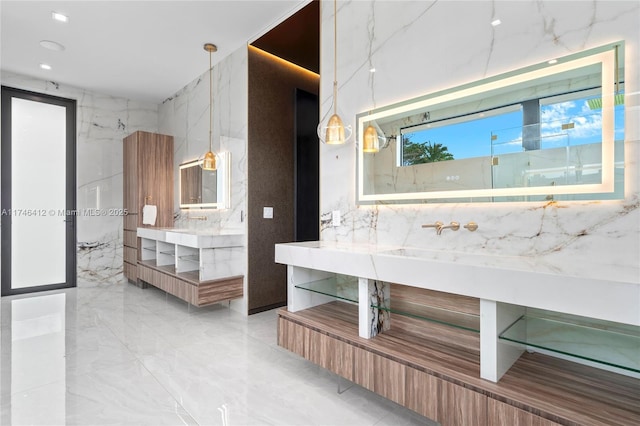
204 238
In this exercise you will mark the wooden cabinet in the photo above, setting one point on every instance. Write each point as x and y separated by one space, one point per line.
460 406
499 413
422 393
147 179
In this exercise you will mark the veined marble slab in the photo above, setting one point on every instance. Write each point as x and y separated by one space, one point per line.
516 280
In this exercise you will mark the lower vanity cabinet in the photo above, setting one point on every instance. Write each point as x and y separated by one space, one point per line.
330 353
461 406
293 337
422 393
201 276
499 413
380 375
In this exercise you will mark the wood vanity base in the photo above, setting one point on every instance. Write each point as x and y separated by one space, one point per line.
186 285
437 374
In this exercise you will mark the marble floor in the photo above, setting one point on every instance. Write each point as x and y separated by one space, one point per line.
116 354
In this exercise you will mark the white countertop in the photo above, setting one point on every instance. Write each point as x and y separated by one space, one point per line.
511 279
200 238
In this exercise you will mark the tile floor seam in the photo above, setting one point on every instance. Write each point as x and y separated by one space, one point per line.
168 391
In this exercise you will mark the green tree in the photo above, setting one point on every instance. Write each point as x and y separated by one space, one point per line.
423 152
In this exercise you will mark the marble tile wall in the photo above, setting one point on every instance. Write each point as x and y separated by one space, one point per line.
185 115
422 47
102 122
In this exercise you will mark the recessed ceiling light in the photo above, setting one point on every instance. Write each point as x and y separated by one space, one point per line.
59 17
45 66
496 22
553 61
52 45
372 70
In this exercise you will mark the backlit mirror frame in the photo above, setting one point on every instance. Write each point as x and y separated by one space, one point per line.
223 182
608 56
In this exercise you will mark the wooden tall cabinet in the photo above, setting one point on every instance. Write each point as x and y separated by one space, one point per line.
148 179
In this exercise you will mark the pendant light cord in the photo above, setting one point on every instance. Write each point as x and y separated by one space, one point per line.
210 102
335 57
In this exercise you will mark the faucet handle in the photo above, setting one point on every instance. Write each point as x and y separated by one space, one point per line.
471 226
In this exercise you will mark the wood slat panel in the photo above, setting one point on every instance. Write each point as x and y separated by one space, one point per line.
332 354
155 175
363 368
220 290
293 337
130 238
196 293
130 179
459 406
499 413
422 393
130 255
131 222
453 302
130 271
556 390
389 379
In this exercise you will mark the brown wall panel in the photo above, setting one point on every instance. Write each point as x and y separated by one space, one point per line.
272 85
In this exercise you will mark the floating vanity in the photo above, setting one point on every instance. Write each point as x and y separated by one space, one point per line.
466 338
198 266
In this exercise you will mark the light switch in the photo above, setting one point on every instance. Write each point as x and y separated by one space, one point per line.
335 218
267 212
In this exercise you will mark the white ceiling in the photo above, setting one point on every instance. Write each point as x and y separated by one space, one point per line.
141 50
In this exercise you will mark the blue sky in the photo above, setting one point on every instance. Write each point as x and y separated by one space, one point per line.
473 138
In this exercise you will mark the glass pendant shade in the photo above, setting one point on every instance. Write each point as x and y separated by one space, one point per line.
332 131
209 161
370 140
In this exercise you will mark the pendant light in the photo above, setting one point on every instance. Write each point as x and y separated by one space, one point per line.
370 140
209 161
373 138
333 130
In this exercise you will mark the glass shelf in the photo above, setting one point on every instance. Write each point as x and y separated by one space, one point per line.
434 314
616 345
169 252
153 249
339 287
190 257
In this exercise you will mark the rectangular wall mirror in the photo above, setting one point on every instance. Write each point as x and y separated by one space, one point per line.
551 131
208 189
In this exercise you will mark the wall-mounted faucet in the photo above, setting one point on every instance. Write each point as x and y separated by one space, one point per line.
453 226
440 226
436 225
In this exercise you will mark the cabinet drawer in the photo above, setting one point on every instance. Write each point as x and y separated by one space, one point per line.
332 354
293 337
130 255
499 413
380 375
130 271
130 222
422 393
461 406
145 274
131 238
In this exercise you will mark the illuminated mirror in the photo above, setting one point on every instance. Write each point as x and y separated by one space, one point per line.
201 188
552 131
